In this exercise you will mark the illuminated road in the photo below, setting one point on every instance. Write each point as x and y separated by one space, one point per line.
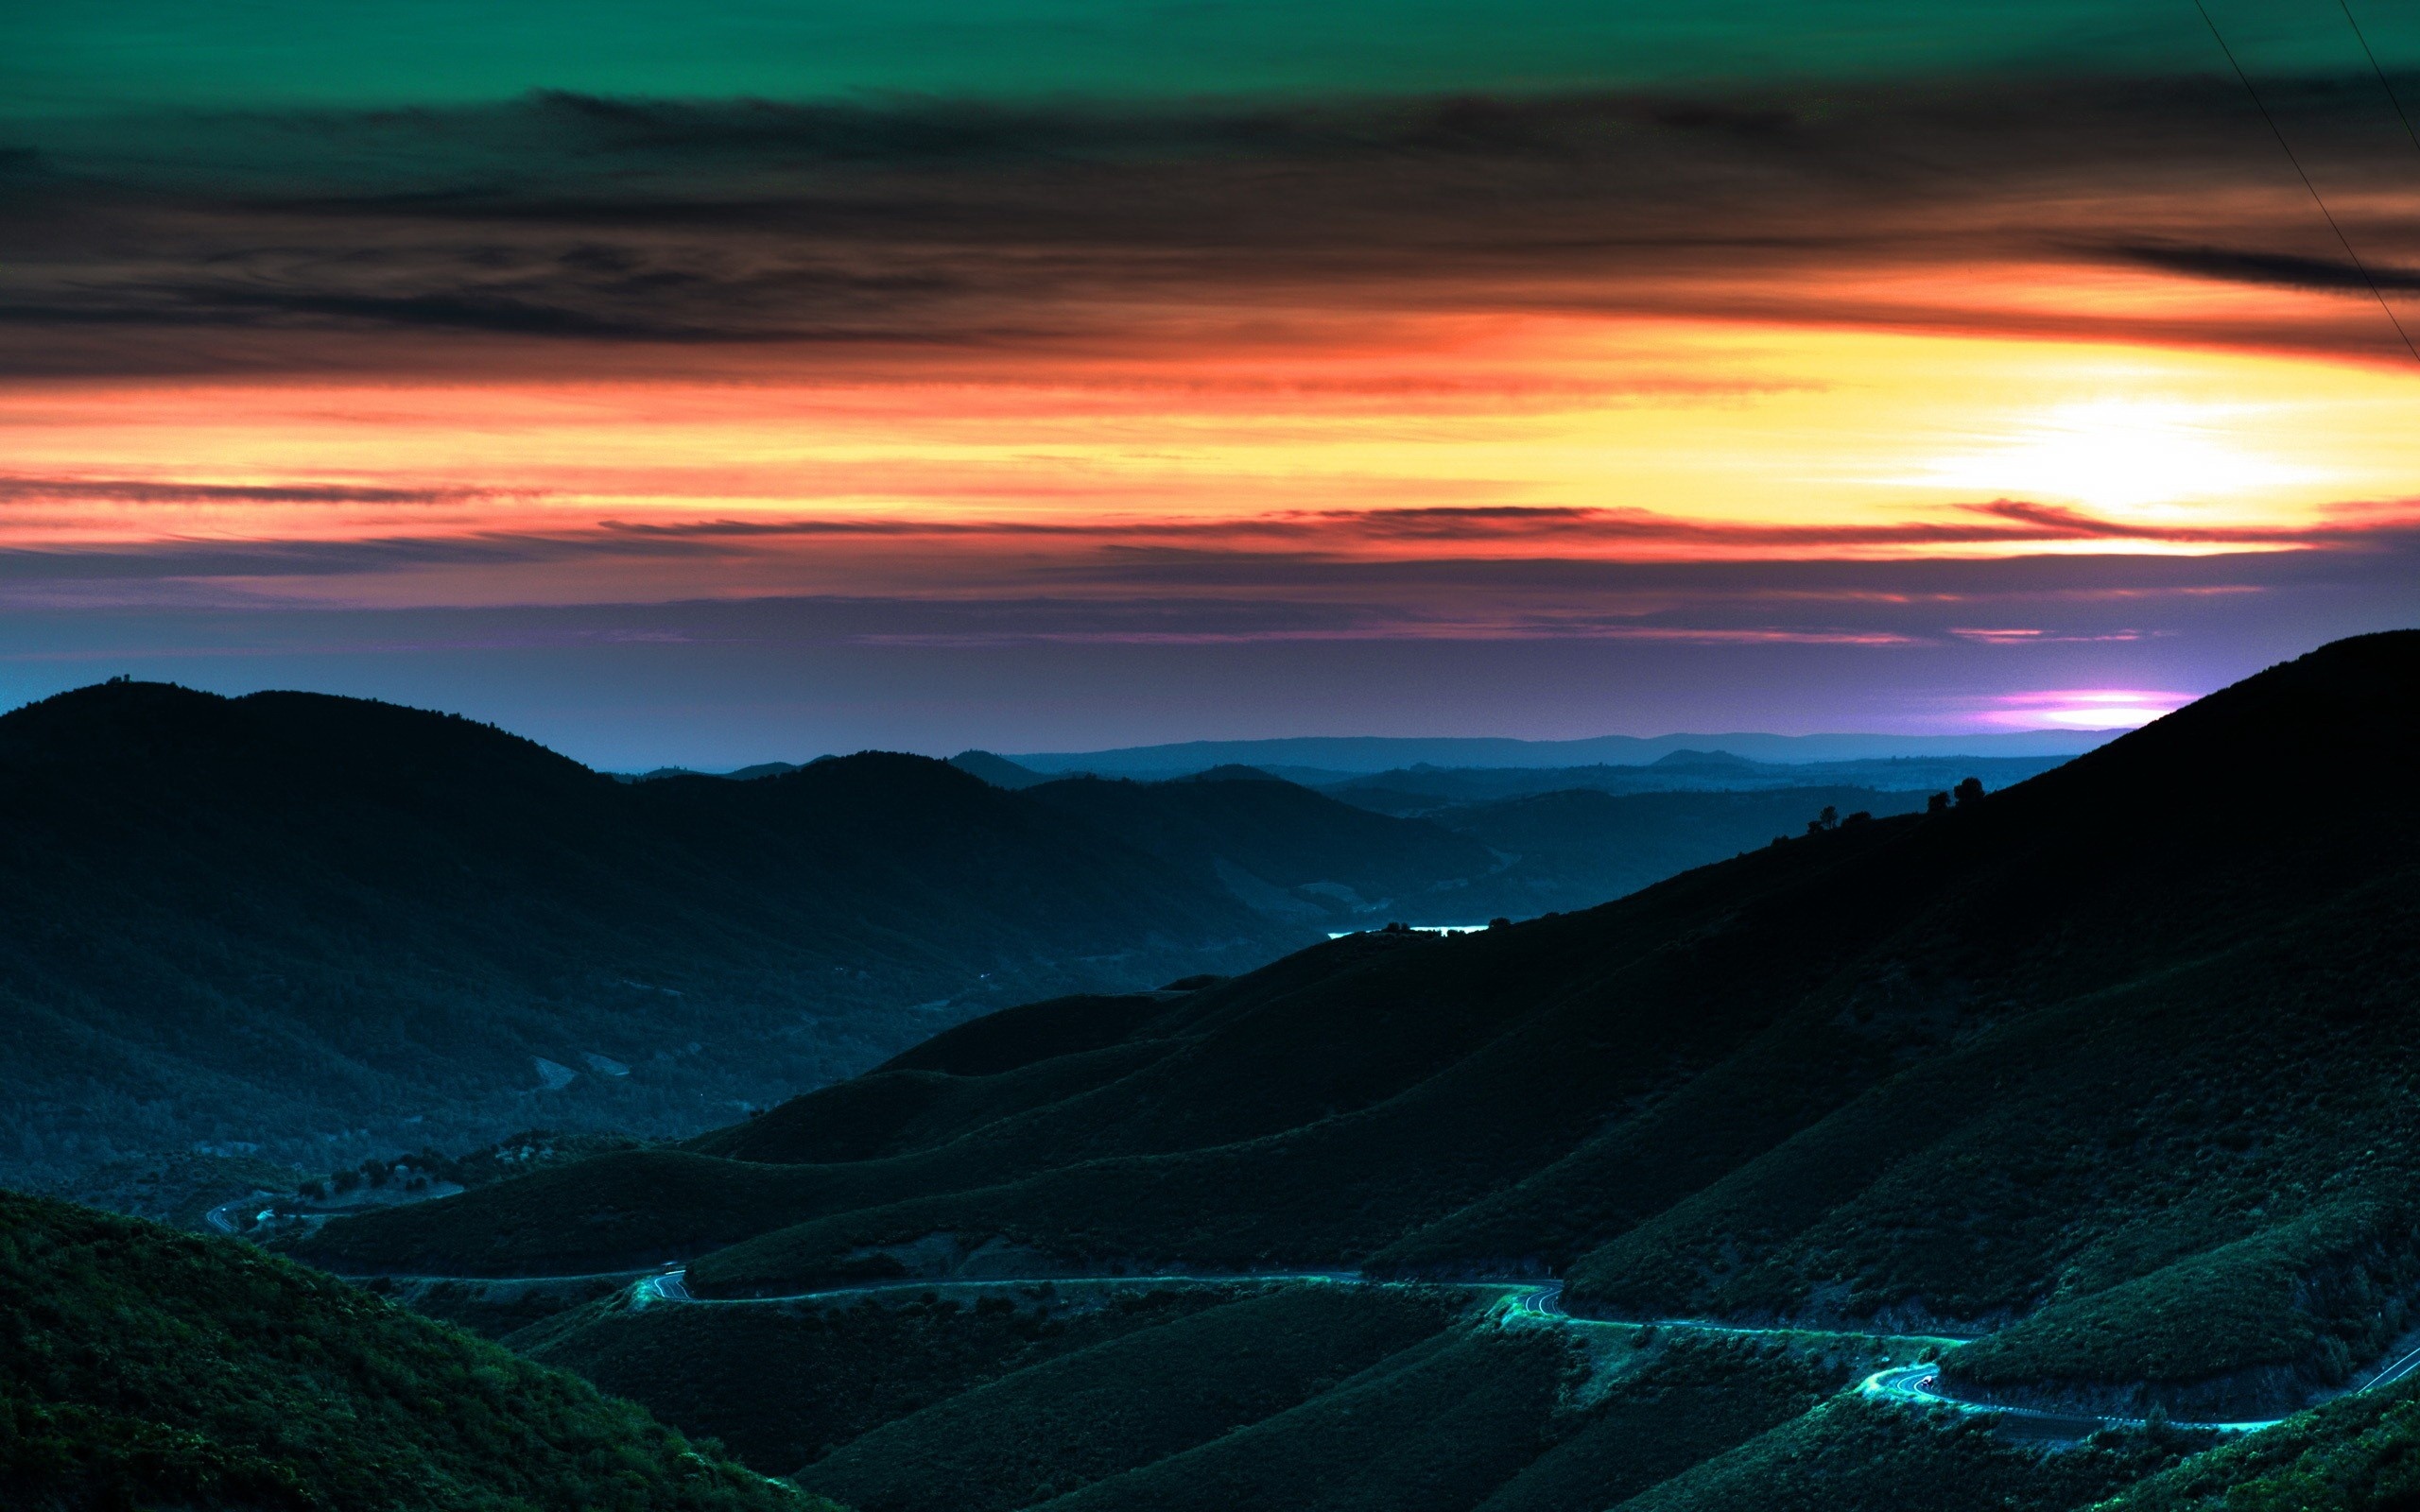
1920 1385
1540 1303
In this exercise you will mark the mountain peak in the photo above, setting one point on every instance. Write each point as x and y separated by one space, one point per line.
1233 772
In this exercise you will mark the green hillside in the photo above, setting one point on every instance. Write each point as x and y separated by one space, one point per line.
140 1367
2354 1455
1159 1393
1856 1454
788 1383
1094 1413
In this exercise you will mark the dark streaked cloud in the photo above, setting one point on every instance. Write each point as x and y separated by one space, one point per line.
384 238
141 490
1267 549
2288 270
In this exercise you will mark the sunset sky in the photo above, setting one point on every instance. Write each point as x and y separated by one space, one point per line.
717 383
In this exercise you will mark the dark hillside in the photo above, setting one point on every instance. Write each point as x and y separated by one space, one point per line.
766 1380
301 926
1018 1036
1851 1455
1088 1416
1285 850
1431 1429
997 770
2351 1456
1580 847
2114 1062
142 1368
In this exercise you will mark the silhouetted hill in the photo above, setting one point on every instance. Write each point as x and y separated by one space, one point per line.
140 1367
744 774
1573 849
306 927
997 770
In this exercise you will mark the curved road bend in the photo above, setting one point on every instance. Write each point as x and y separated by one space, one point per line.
217 1217
1922 1384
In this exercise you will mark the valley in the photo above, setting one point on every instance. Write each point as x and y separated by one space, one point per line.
2096 1097
2048 1142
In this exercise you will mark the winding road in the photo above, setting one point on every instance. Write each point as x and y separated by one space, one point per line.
1540 1303
220 1217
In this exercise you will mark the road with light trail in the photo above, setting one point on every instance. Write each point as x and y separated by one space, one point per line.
1537 1302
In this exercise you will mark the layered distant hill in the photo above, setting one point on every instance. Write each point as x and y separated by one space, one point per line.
289 928
1360 755
316 928
2110 1072
1296 853
1435 792
1286 849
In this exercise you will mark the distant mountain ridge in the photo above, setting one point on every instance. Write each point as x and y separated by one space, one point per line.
1434 790
1363 754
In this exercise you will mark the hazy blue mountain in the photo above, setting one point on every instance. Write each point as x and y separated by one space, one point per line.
1430 791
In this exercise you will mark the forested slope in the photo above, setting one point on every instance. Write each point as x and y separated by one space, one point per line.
140 1367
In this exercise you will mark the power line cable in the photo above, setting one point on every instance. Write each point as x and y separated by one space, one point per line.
2392 98
2288 147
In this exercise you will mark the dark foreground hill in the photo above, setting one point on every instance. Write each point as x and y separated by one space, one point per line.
140 1367
315 928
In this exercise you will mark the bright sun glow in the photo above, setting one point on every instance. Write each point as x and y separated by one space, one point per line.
2088 708
2122 453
